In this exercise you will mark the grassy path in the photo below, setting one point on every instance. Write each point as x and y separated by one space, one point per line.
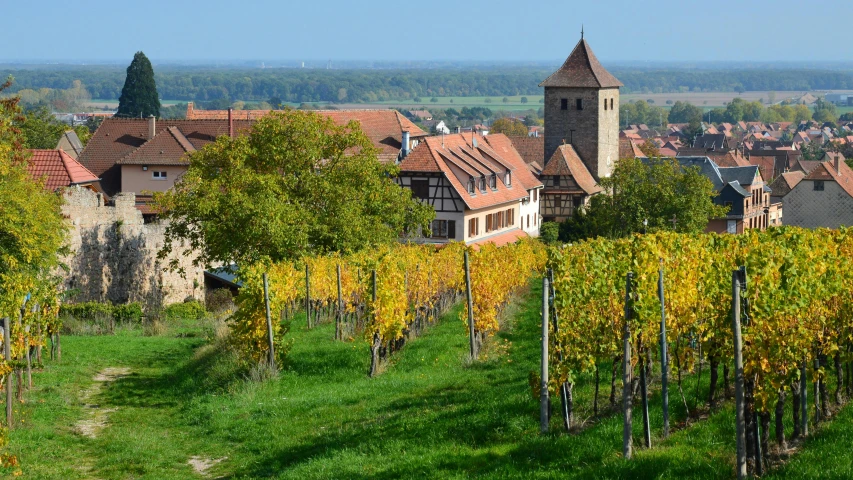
430 415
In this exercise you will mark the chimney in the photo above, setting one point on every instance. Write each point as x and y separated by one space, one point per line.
152 127
838 163
405 151
230 122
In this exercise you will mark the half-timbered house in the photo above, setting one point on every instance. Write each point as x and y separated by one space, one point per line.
480 188
568 185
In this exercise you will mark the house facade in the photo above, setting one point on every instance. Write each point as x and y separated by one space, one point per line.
568 185
480 188
822 198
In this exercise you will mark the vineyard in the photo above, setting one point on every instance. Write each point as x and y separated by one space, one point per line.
794 315
385 296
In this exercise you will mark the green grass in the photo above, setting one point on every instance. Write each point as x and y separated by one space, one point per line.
430 415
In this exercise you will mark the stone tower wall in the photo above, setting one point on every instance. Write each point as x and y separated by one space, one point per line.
596 131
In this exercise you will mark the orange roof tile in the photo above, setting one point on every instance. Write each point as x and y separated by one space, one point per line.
581 69
501 239
827 172
58 169
168 148
493 153
566 162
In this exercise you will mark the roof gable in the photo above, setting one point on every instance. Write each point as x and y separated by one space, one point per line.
58 169
581 69
565 162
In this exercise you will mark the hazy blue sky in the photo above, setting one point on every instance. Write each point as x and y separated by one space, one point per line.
543 30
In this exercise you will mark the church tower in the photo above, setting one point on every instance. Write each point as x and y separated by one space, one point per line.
582 109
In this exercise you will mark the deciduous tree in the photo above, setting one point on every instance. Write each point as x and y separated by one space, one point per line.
296 184
509 126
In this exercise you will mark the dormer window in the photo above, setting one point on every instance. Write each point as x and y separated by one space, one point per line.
483 184
508 178
493 181
471 185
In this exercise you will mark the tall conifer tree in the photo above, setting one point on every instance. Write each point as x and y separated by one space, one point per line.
139 96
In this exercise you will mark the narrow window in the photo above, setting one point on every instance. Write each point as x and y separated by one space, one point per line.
611 104
508 178
556 181
605 104
528 220
579 104
451 229
535 194
818 185
564 104
483 184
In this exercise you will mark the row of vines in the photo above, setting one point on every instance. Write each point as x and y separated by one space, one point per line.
384 296
797 315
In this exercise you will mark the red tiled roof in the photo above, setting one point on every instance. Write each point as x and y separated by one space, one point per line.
581 69
566 162
383 127
492 154
500 239
169 148
116 138
531 149
58 169
785 182
826 171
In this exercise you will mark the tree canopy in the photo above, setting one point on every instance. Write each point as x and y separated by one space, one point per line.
296 184
509 126
32 231
656 190
139 96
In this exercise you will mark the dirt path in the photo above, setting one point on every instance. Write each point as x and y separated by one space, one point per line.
96 417
201 465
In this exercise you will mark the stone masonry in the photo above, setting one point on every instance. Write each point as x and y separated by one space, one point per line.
592 131
113 254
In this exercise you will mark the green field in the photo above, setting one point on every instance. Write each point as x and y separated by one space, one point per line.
432 414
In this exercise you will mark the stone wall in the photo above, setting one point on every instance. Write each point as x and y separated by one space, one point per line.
593 131
113 253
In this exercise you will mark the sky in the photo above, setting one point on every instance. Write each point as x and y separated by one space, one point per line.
399 30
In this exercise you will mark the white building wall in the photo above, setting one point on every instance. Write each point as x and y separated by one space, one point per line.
529 213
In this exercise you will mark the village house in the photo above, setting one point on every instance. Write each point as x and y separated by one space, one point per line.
743 191
59 170
480 187
822 198
141 156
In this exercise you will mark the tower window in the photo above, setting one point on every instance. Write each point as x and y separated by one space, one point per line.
564 104
611 104
605 104
579 103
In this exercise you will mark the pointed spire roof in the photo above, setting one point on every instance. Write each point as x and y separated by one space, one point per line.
581 69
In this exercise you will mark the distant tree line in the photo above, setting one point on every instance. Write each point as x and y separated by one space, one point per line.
367 86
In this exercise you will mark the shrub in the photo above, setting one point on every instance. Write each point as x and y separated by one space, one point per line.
219 301
128 313
191 310
550 232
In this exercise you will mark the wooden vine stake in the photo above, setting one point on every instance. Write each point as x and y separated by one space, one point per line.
7 354
338 318
270 338
543 387
472 333
307 295
739 400
664 365
374 347
627 427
